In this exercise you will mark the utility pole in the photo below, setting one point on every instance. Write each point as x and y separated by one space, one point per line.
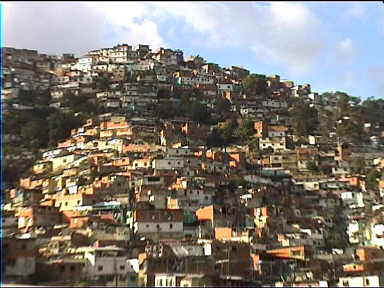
115 270
229 263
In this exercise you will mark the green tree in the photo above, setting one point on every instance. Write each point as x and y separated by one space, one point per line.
198 112
165 110
372 179
35 136
103 83
254 145
25 97
350 130
358 165
227 132
246 129
312 166
163 93
256 82
343 106
215 139
373 110
60 125
304 118
223 105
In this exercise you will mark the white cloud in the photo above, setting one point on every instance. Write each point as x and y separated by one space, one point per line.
349 79
375 75
284 33
345 51
356 11
52 27
132 20
278 32
58 27
345 46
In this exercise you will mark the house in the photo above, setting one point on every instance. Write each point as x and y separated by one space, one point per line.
228 234
19 259
179 152
277 143
63 270
169 163
70 201
85 63
308 283
157 221
343 152
27 197
369 280
224 86
168 263
239 72
306 156
275 104
277 131
209 68
105 262
295 252
61 162
167 280
9 222
352 199
142 163
369 253
211 216
194 280
381 186
34 216
377 234
261 128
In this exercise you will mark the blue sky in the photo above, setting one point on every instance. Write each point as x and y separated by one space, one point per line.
330 45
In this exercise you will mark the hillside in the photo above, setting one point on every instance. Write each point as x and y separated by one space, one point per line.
158 164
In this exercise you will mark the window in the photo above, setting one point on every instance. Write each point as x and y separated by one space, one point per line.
133 277
23 246
11 262
62 268
99 268
122 267
366 281
72 268
170 226
296 253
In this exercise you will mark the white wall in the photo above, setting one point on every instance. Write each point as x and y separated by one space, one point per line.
24 266
168 164
164 227
360 281
165 281
110 266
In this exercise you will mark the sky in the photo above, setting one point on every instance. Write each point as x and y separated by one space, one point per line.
334 46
